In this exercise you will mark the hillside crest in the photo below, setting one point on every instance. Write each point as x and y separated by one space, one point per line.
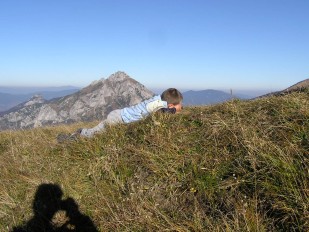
235 166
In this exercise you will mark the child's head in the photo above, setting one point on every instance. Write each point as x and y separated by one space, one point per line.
173 98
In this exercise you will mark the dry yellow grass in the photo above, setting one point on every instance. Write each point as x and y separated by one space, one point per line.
237 166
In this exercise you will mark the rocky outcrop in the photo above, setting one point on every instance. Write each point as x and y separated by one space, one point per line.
91 103
36 99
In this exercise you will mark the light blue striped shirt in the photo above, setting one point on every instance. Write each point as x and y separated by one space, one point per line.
143 109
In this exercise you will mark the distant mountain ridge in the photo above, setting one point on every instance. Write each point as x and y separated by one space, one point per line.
300 86
7 100
93 102
205 97
10 99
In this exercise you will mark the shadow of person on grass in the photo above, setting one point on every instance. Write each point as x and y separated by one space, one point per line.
47 202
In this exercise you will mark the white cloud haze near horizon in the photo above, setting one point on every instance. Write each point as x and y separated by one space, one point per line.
196 44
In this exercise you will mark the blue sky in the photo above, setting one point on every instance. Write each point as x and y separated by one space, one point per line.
187 44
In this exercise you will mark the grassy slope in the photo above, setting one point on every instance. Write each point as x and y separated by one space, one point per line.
237 166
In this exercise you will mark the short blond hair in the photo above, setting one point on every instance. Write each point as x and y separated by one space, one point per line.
172 96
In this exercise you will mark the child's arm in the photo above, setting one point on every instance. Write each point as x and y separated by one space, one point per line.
155 105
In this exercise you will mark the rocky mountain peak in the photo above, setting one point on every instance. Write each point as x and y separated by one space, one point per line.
97 81
119 76
91 103
35 100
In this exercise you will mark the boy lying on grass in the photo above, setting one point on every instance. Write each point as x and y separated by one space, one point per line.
169 101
